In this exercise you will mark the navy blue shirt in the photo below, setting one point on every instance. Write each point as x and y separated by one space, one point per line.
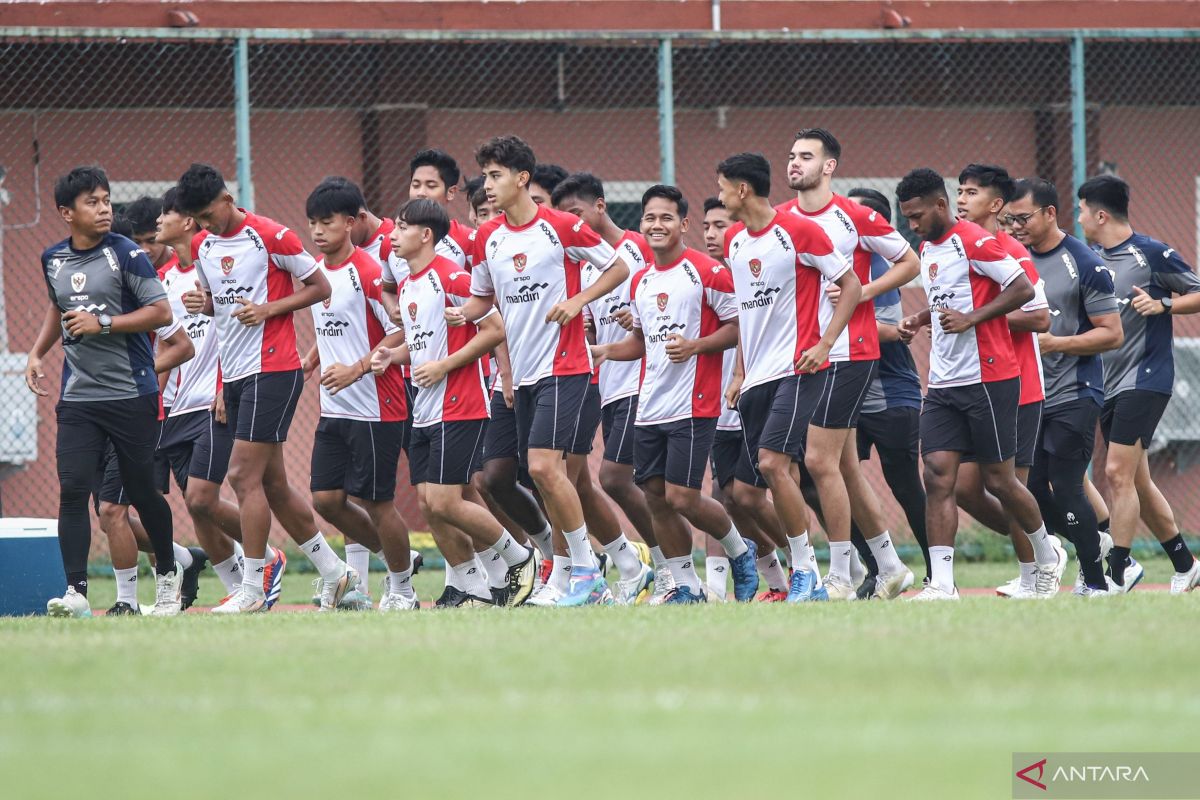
897 385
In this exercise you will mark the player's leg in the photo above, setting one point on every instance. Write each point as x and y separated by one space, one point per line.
721 560
1127 422
1160 519
112 510
79 452
893 576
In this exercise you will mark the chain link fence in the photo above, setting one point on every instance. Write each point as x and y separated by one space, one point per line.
633 110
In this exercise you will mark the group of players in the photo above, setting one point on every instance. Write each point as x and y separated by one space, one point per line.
490 357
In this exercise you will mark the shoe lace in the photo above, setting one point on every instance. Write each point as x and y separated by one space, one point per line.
663 582
542 592
1043 580
164 592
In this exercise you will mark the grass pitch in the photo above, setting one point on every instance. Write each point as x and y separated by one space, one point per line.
854 700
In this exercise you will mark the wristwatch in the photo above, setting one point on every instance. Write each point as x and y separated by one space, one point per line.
105 324
1166 304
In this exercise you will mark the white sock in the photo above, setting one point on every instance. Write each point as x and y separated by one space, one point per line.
580 548
620 552
183 556
469 576
942 561
252 577
1027 571
716 575
230 573
657 558
323 558
544 542
885 554
451 576
733 543
494 566
772 572
684 573
126 585
510 550
238 551
358 558
400 582
269 554
560 574
798 550
858 572
1043 550
839 561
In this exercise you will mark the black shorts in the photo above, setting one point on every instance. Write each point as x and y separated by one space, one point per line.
260 407
356 456
726 449
548 413
775 417
90 432
111 489
500 441
1069 430
894 429
194 445
617 422
1132 417
1029 425
841 399
589 422
447 452
979 418
674 451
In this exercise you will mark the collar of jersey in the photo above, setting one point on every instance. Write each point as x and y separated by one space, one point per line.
240 228
1112 251
343 264
436 258
766 228
953 229
796 205
517 228
682 257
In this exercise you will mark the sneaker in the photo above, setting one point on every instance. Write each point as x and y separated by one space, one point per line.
457 598
892 585
273 579
866 589
745 573
333 591
544 570
803 587
636 589
123 609
356 600
71 604
838 589
1047 580
663 584
587 587
1106 545
545 596
1182 582
643 553
1134 572
1088 591
191 578
520 582
398 602
167 593
417 560
241 603
1056 543
1009 589
682 595
772 596
602 563
934 592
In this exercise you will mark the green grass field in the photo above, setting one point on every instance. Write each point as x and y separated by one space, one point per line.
854 700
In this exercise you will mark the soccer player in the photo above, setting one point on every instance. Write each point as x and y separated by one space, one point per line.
1152 284
451 409
684 317
358 438
543 181
778 260
612 396
890 418
482 209
245 269
974 383
104 299
831 455
1084 323
527 262
143 215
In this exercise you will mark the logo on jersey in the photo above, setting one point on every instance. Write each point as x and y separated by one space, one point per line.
327 302
527 293
412 311
519 262
78 281
933 270
112 259
334 327
755 267
662 301
227 264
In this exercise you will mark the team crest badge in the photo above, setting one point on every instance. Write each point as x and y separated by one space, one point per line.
227 264
933 270
78 281
519 262
412 311
755 267
327 301
662 301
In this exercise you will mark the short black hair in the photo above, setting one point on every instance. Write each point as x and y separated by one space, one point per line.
1042 190
753 168
671 193
334 195
198 187
990 176
428 214
122 226
443 162
76 182
712 202
921 182
143 214
1107 192
548 176
170 201
872 199
829 142
510 152
470 185
478 198
583 185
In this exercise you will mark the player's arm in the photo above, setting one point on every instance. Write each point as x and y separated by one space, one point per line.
609 280
49 332
1018 292
1036 321
198 301
338 376
476 307
173 350
631 348
314 288
680 349
734 390
1106 334
490 334
310 361
1175 276
383 357
902 271
851 290
389 295
504 367
141 320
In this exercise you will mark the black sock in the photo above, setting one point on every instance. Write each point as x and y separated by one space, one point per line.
1177 551
1103 527
1118 559
79 581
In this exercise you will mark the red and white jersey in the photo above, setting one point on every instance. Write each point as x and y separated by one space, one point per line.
689 298
1025 343
193 384
964 270
778 273
258 261
424 298
350 325
730 419
379 246
455 245
618 379
530 269
857 232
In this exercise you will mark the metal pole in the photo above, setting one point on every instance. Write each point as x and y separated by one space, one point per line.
666 113
241 120
1078 120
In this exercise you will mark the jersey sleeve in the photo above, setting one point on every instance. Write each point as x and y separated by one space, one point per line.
481 275
633 302
584 244
373 292
141 278
1171 272
289 254
459 286
1039 286
394 269
168 330
718 291
1097 290
815 249
989 258
876 235
890 314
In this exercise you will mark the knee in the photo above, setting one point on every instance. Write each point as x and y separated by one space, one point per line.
1119 477
201 503
497 478
545 470
437 506
743 496
328 504
479 483
820 464
112 516
775 467
938 482
611 482
731 506
680 498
